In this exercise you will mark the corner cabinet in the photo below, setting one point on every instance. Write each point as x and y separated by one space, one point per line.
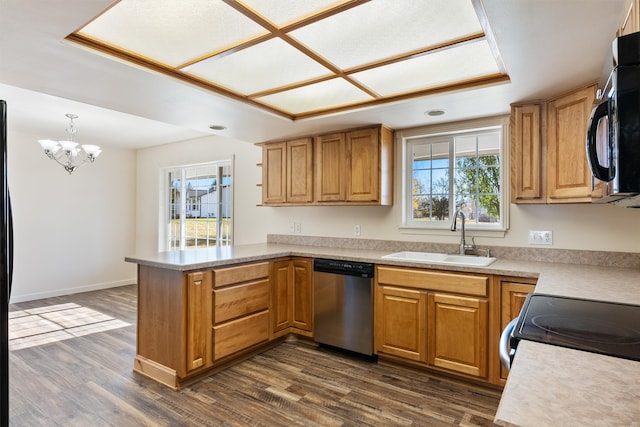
292 297
351 167
547 150
513 292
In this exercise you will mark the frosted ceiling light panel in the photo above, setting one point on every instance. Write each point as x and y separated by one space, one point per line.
265 66
446 66
267 50
386 28
172 32
284 12
314 97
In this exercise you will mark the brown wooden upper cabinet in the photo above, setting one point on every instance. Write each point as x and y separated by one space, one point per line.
548 159
286 172
351 167
631 22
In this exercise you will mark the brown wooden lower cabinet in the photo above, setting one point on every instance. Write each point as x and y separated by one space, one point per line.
190 323
443 320
240 308
292 297
400 322
458 330
198 320
513 292
239 334
301 306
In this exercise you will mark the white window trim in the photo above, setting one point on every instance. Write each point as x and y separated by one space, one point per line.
441 229
164 199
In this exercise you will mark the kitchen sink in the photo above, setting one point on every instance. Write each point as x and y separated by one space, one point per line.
438 258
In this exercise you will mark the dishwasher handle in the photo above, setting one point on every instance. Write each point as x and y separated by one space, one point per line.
505 354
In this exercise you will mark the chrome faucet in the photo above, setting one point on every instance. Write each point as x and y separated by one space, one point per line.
464 247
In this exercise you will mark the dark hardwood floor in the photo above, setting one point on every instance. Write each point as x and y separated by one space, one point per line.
88 381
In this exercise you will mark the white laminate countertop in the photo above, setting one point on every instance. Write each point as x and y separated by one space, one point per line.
547 385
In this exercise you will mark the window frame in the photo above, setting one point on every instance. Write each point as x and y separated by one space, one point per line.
164 232
407 137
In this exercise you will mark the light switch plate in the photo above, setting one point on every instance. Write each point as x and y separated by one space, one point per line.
540 237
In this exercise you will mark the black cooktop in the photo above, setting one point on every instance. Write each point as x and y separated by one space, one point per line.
596 326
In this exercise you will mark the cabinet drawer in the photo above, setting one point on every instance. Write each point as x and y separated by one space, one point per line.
240 300
238 274
239 334
432 280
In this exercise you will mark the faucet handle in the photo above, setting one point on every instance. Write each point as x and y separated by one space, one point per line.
486 251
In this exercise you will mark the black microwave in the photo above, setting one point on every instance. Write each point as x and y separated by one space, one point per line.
613 134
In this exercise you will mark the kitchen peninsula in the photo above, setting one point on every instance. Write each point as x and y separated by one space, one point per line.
547 384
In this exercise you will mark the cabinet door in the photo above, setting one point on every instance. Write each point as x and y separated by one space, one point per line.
330 161
526 154
400 322
512 296
458 333
299 171
363 165
281 295
274 171
302 294
631 23
199 322
568 172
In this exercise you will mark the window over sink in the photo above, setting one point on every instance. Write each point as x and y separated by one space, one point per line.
455 166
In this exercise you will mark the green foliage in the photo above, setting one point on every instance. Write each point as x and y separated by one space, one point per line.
480 175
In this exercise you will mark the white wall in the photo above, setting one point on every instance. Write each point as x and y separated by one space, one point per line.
583 226
72 232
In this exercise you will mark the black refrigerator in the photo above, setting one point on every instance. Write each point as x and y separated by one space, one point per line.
6 253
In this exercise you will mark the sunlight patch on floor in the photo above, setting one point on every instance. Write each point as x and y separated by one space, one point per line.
43 325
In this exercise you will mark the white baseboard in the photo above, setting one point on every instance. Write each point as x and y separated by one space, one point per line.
68 291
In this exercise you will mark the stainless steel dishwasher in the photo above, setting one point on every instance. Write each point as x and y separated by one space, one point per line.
343 304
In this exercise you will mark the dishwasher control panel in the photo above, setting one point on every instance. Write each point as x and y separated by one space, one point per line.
350 268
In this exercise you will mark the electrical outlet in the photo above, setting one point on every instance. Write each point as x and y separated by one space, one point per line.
292 227
298 227
356 230
540 237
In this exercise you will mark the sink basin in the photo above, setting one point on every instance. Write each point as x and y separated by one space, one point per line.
437 258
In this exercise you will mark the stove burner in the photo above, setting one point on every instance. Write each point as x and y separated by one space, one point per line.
589 329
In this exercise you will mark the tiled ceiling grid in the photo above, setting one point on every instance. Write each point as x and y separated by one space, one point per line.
305 58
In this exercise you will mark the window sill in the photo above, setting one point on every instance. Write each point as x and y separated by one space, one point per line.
471 232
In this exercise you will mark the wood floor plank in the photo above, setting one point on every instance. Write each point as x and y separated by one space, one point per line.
88 381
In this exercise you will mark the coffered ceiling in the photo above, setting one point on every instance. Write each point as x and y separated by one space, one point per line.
272 69
301 59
